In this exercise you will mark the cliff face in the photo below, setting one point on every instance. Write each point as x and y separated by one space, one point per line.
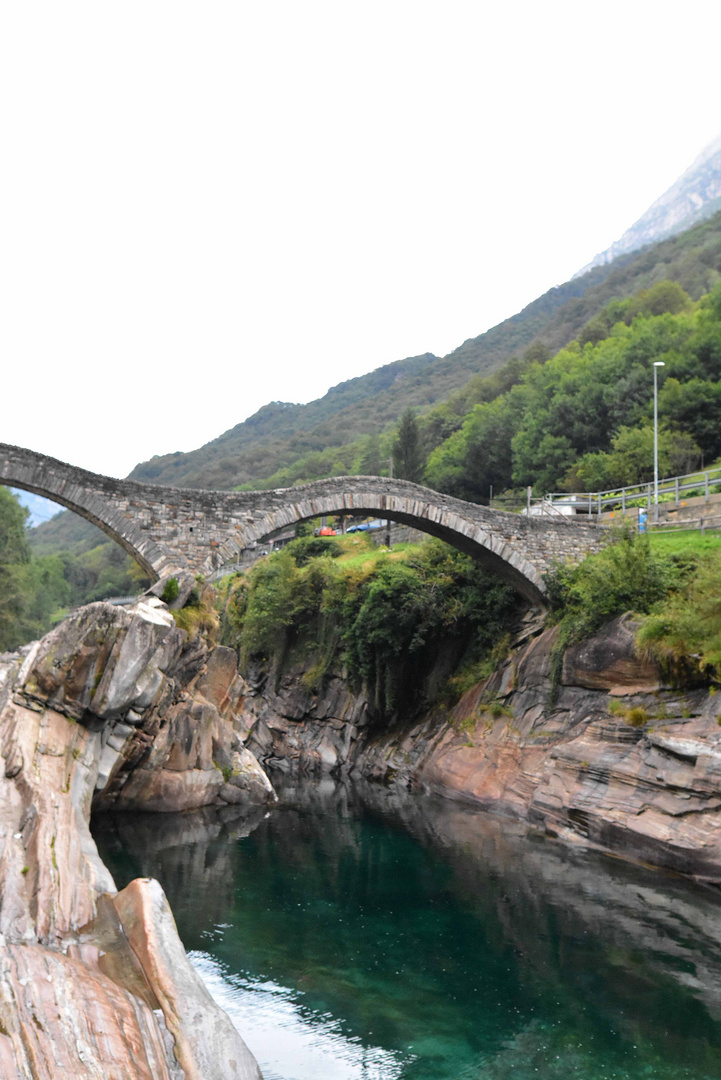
695 195
117 706
613 758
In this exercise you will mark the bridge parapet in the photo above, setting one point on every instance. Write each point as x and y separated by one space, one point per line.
183 530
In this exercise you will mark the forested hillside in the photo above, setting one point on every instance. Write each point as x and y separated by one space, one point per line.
272 442
582 420
37 589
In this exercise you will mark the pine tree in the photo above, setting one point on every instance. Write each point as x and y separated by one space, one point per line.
407 455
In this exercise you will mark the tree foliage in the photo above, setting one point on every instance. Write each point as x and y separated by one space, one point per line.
581 419
407 454
36 589
393 626
630 460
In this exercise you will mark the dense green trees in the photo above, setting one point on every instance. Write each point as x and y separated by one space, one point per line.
694 407
30 589
14 553
630 460
36 589
580 420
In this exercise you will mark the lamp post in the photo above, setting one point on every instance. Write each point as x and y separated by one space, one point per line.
388 522
656 365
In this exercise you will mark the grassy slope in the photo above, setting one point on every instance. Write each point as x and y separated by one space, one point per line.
65 532
685 540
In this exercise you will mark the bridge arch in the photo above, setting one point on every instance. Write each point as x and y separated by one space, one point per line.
63 484
184 531
486 548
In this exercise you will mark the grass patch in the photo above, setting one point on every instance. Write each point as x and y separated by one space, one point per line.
634 715
682 541
170 591
199 616
369 557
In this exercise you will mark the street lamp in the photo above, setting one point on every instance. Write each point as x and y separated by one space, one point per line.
656 365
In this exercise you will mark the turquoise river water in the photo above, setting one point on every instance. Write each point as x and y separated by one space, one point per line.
353 934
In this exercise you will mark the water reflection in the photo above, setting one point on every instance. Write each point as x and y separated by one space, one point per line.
357 933
285 1034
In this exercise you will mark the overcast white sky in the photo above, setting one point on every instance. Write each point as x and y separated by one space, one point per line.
204 207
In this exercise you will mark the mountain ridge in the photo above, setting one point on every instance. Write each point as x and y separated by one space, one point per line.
280 433
695 195
355 407
263 445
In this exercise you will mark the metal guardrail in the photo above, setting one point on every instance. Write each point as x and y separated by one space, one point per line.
595 502
706 521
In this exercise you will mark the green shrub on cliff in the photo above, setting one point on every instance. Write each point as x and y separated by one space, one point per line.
683 633
677 594
627 575
396 624
305 548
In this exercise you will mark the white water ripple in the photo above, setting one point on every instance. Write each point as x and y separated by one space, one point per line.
277 1030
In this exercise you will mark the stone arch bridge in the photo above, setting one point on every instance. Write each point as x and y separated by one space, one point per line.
183 532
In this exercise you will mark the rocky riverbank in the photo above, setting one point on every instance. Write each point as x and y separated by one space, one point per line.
119 709
115 707
610 757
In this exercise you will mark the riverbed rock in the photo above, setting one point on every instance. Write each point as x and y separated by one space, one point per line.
207 1045
79 710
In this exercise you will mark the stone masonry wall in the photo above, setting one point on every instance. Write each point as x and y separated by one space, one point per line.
171 530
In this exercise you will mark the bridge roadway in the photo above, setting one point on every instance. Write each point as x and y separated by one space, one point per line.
182 531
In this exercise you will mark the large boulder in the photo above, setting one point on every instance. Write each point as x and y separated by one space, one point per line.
93 984
163 705
104 660
609 661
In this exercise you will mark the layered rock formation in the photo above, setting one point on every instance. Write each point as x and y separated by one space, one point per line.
116 706
611 757
119 709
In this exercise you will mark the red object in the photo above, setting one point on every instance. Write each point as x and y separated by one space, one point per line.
326 531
